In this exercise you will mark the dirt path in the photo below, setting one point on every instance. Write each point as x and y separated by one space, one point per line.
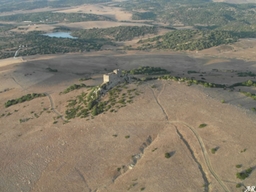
206 157
17 82
157 101
53 107
199 139
206 185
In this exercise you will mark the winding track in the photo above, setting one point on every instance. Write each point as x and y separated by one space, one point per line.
53 107
157 100
199 139
16 82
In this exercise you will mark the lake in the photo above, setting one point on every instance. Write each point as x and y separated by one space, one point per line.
60 35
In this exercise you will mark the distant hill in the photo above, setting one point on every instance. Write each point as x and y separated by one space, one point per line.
236 1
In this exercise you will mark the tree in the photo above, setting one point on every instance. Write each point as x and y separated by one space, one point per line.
95 111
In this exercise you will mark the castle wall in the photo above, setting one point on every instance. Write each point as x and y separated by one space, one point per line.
105 78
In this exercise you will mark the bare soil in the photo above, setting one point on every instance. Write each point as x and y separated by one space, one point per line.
95 155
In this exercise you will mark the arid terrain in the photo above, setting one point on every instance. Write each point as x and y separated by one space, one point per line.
125 150
159 136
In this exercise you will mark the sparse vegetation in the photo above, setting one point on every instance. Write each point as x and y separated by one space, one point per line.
74 87
242 150
189 40
92 103
238 185
36 115
85 79
191 81
144 16
24 5
24 120
131 186
248 83
213 150
24 98
246 74
202 125
52 70
52 17
167 155
146 70
244 174
251 95
189 72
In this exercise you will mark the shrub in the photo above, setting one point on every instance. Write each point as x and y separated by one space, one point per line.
202 125
127 136
52 70
238 166
243 151
36 115
24 98
84 79
95 110
24 120
213 150
167 155
244 174
74 87
238 185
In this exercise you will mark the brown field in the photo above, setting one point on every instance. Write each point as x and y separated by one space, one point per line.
114 13
78 25
111 12
244 49
83 155
98 9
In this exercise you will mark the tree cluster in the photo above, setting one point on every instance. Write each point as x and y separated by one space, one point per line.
37 43
189 40
146 70
24 98
50 17
28 5
143 16
121 33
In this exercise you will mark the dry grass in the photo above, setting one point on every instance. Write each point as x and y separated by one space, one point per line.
83 155
112 12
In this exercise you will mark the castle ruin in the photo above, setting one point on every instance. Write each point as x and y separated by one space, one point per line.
112 77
